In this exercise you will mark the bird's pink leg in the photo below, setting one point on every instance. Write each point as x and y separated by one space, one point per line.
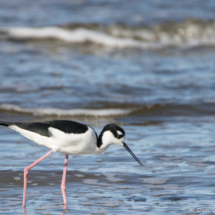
63 184
26 173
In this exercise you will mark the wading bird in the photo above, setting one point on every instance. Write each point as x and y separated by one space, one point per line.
68 137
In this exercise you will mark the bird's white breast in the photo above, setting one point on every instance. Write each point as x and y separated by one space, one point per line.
83 143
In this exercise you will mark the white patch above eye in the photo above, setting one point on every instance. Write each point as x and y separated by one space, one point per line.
119 132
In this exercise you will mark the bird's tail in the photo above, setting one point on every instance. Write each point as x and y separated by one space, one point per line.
5 123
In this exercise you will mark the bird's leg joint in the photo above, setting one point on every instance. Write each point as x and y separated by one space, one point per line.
63 187
26 171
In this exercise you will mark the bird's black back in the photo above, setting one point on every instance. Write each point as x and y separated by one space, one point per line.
41 128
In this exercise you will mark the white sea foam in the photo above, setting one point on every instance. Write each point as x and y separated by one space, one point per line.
17 178
79 175
94 182
90 181
79 35
184 36
154 180
34 184
112 178
64 112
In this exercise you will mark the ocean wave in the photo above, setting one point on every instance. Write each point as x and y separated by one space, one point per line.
155 110
78 36
191 32
64 112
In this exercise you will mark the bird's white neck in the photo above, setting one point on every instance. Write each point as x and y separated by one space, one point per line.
104 141
101 146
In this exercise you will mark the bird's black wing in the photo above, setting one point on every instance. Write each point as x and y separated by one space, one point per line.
42 128
36 127
68 126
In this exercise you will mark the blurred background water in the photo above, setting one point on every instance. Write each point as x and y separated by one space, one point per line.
145 65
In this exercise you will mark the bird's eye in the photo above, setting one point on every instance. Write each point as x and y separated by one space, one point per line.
119 134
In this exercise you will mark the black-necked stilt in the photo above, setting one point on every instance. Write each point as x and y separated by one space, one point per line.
68 137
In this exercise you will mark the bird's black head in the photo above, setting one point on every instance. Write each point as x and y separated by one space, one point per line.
117 131
111 134
114 134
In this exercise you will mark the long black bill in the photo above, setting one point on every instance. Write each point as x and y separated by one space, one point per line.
133 155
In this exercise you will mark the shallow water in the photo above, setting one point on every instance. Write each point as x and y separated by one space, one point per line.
178 173
152 72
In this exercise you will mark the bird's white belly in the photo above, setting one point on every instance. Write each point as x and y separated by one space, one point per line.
80 148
